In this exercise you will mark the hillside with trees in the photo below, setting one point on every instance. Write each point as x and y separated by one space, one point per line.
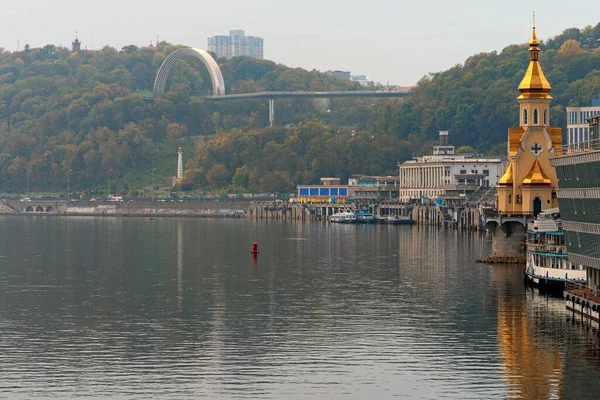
84 116
476 101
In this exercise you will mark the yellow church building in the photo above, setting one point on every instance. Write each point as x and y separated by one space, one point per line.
529 184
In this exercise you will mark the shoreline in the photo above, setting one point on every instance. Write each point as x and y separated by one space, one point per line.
125 215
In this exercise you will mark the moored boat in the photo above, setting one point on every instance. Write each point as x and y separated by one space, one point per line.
364 217
343 217
547 258
396 220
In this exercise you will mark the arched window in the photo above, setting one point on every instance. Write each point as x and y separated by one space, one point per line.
525 122
536 120
545 117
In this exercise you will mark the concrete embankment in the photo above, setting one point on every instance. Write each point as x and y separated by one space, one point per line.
278 210
271 209
229 209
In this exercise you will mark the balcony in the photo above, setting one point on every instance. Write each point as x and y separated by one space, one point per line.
547 248
578 148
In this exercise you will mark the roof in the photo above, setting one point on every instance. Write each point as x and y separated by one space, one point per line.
536 176
507 178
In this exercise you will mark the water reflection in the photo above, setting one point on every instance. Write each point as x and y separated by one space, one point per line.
533 364
180 309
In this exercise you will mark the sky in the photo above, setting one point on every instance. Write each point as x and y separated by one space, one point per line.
393 41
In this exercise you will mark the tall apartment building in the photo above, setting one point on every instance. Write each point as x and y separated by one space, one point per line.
236 44
577 126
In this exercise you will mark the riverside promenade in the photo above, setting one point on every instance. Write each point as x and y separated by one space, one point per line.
209 208
157 208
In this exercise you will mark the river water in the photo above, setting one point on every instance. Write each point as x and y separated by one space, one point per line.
174 308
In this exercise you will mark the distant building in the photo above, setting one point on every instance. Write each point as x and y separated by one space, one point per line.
367 189
76 43
236 44
362 79
330 191
428 77
446 174
345 75
577 125
361 190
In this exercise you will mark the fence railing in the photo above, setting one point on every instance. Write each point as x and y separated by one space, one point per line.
547 248
581 290
579 147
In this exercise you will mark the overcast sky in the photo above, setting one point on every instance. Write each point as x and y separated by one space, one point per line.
395 41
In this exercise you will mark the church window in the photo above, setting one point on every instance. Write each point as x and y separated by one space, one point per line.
545 117
525 122
535 116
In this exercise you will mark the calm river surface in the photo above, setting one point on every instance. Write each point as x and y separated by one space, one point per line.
175 308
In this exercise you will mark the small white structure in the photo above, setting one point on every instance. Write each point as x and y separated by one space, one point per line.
434 175
180 164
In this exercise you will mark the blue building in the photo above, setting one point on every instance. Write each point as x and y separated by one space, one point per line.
330 191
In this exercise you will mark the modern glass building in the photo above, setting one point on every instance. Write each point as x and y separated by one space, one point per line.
578 169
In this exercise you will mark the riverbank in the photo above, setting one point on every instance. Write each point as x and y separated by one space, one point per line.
125 215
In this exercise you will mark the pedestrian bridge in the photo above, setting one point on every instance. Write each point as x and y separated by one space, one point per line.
219 93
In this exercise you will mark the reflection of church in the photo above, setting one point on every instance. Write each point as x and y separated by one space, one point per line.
529 184
532 367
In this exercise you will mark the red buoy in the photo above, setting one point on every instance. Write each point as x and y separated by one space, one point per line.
254 248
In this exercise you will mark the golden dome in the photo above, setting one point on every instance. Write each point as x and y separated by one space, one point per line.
534 83
536 176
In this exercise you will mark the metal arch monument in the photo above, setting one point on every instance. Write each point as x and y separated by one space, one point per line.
219 84
213 69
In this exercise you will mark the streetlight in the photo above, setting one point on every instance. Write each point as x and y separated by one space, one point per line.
198 186
109 175
28 171
152 191
69 185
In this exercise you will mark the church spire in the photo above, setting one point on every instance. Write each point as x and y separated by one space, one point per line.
534 43
534 83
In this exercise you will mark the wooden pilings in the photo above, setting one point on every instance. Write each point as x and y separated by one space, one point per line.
278 210
467 218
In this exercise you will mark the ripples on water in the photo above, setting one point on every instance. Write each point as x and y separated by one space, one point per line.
132 308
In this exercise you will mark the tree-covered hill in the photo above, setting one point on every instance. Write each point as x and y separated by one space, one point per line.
476 101
83 115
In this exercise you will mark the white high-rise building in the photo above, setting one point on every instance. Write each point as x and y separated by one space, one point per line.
236 44
577 125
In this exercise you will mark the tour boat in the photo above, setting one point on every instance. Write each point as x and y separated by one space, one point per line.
547 258
343 217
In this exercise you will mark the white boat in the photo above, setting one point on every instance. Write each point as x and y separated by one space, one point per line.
343 217
547 258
